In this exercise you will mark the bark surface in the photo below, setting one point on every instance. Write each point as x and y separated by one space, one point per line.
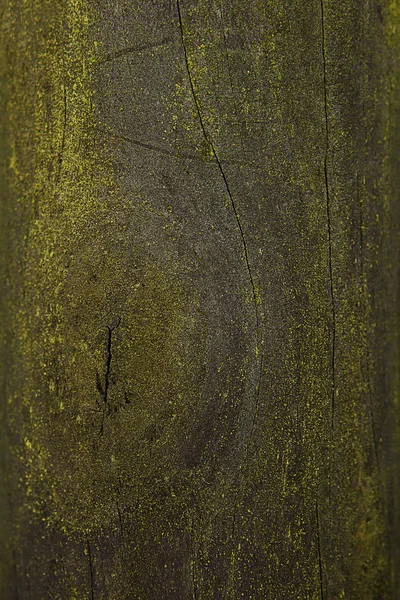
199 308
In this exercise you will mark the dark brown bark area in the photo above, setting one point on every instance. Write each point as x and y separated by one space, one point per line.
200 215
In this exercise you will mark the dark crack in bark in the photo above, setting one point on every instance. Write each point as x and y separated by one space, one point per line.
365 304
320 568
259 350
63 133
110 331
328 212
91 569
154 148
222 173
230 76
192 559
121 528
133 50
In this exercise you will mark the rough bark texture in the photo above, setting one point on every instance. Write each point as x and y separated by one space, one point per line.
200 222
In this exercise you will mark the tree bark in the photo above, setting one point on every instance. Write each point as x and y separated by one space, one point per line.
200 300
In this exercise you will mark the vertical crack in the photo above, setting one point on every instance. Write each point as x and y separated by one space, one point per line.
230 76
232 202
328 212
371 410
120 520
257 406
121 529
214 153
259 348
64 126
91 570
110 331
365 304
320 569
192 559
105 408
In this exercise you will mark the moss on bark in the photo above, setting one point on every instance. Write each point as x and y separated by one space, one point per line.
200 307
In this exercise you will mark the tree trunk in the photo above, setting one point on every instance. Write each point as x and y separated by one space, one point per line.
200 224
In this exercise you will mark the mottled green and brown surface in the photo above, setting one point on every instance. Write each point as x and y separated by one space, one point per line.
200 215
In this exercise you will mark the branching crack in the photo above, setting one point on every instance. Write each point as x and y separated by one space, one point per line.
328 211
105 408
320 569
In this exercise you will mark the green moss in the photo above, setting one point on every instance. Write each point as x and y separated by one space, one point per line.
77 276
109 351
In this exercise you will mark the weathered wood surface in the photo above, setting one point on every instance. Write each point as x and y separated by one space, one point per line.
200 220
